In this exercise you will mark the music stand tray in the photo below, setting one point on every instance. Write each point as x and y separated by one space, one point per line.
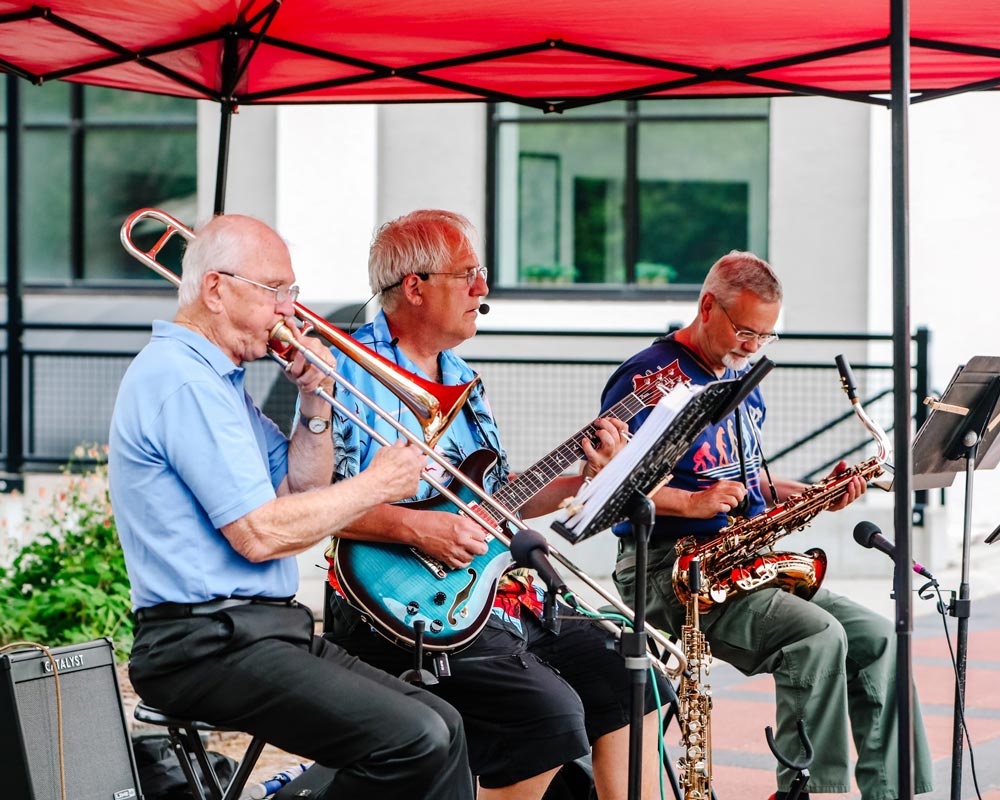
938 448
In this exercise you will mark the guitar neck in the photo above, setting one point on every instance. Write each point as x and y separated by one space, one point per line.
540 474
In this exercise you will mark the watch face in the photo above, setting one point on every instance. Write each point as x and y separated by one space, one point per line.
318 424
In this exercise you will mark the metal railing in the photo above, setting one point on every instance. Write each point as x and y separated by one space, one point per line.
539 400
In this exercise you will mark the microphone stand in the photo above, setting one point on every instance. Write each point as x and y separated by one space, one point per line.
966 444
641 513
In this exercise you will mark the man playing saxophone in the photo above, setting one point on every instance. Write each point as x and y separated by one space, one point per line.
833 660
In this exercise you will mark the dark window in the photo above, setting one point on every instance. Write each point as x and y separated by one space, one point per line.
90 157
626 194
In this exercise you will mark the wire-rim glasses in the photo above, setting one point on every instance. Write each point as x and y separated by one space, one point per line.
747 335
281 293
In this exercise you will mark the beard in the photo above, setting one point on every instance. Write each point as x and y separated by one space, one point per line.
735 362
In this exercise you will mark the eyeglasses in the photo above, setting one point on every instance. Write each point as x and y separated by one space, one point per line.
281 293
747 335
471 275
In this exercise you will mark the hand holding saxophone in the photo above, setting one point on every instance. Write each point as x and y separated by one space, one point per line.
720 497
852 491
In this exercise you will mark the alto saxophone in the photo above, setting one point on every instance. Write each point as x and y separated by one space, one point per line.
740 558
694 695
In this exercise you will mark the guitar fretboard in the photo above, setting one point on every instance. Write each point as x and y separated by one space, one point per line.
540 474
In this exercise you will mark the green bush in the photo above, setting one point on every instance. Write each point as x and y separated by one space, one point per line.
69 583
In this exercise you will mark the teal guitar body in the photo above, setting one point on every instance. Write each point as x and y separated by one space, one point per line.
396 585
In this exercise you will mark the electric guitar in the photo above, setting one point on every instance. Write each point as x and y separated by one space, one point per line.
394 585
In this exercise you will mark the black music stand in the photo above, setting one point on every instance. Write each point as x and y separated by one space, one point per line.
613 497
962 423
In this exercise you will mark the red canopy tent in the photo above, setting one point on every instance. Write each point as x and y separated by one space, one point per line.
546 53
549 54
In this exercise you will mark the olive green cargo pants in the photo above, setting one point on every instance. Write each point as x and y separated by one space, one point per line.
832 659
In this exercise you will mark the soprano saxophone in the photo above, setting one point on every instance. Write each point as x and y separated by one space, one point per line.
740 557
694 695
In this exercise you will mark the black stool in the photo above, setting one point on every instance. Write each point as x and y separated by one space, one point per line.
186 741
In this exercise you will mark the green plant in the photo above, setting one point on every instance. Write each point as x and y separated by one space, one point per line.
548 273
650 272
69 584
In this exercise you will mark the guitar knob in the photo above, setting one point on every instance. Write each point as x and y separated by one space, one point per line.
412 607
439 598
437 626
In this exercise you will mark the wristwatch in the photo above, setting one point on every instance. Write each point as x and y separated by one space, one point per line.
316 424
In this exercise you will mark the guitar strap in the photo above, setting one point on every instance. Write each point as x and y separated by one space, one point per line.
475 407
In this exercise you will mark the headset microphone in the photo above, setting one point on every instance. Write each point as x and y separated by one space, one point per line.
484 308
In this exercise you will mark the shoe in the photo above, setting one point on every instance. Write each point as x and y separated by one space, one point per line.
784 796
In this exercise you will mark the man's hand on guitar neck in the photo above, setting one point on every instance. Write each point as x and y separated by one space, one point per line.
612 434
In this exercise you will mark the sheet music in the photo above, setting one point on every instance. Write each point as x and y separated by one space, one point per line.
581 510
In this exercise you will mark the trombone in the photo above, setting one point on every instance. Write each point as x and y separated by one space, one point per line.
428 401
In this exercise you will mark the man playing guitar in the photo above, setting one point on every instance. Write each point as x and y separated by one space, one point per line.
532 699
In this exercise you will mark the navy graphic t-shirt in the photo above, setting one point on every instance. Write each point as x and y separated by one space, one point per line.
714 455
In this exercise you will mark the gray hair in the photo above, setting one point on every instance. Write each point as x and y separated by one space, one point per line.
739 271
224 243
419 242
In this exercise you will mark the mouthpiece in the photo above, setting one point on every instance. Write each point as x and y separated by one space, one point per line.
281 341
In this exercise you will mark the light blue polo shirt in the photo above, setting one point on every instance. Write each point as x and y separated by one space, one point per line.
189 453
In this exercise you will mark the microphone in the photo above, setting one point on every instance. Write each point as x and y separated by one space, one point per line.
869 535
394 342
484 308
529 549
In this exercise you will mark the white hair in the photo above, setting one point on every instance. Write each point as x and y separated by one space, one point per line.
739 271
225 243
419 242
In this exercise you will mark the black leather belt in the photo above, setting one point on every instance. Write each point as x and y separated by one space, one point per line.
184 610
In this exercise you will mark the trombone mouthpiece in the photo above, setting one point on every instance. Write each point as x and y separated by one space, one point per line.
281 340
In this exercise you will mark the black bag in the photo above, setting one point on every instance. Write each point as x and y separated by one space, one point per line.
160 773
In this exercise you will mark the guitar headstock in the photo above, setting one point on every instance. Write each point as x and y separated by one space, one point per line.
652 386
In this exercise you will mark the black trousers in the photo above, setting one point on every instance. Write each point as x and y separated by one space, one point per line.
259 669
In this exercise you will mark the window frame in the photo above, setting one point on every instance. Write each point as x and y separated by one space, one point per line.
76 126
631 117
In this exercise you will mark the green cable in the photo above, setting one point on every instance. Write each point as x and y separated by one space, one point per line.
652 675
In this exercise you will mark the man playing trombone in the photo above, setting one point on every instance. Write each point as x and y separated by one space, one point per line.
532 700
212 503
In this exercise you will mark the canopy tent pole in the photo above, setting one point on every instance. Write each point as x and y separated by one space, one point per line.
903 477
14 435
222 160
230 74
